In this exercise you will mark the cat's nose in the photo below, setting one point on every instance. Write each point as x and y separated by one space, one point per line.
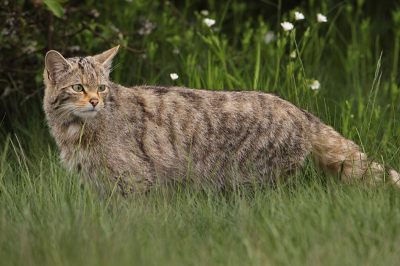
94 101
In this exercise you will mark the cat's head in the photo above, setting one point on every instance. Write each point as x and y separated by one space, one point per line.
77 86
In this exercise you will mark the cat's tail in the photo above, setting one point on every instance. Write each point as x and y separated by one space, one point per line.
339 156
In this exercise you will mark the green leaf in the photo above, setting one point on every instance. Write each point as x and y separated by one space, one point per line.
54 7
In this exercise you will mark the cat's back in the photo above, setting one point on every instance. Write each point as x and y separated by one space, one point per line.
208 120
240 100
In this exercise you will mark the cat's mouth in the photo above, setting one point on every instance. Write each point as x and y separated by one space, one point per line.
87 112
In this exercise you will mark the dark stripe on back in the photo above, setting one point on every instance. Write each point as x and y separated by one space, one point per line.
161 90
80 64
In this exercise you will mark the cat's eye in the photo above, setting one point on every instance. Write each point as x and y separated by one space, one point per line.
101 88
77 87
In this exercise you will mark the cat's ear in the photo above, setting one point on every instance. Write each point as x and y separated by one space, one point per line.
105 59
56 64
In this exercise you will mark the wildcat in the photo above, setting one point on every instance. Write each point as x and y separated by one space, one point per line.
143 136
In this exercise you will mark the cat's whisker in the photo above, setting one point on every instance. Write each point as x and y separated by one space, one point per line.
64 115
65 111
115 67
62 105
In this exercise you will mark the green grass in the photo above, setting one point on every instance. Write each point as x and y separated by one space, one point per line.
47 217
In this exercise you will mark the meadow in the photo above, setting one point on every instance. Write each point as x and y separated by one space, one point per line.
344 70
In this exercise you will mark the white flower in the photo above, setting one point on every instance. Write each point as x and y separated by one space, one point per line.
209 22
321 18
94 13
298 16
147 26
315 85
176 51
269 37
29 49
204 12
74 48
293 54
287 26
174 76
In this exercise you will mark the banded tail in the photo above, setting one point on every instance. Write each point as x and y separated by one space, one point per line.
339 156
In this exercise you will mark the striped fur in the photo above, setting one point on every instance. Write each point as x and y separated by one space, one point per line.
147 135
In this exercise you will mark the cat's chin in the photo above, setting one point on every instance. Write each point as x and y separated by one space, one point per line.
86 114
